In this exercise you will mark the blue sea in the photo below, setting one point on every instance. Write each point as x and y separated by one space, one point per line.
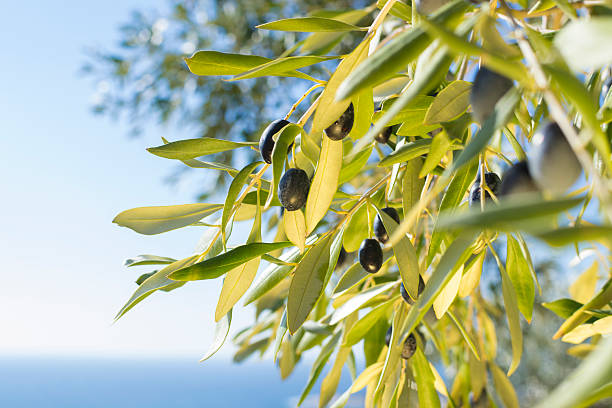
139 382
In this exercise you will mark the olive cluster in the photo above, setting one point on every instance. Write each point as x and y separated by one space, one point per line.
552 165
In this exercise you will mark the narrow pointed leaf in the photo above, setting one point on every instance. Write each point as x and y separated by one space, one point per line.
450 103
295 228
520 276
309 25
221 332
428 396
192 148
234 189
148 260
282 65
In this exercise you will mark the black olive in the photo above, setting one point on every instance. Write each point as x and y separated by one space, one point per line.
341 257
517 180
410 347
370 255
492 181
388 336
552 161
379 228
488 88
383 136
293 189
342 127
405 294
266 143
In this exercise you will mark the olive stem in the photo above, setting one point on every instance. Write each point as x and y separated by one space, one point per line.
295 105
309 112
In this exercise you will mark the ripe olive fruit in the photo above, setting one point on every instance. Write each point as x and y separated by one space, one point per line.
293 189
342 127
429 6
382 137
405 294
266 143
552 162
341 257
488 88
370 255
410 346
388 336
492 181
379 228
517 180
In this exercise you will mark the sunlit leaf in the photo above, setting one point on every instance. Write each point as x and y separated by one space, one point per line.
295 228
520 276
155 220
308 25
447 295
192 148
233 191
221 332
361 328
504 387
584 43
357 301
282 65
428 397
148 260
450 103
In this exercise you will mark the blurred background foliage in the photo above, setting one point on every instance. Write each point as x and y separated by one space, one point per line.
143 79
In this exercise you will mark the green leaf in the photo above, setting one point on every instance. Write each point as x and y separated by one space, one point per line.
500 116
406 256
363 104
584 43
354 164
450 103
385 62
412 113
280 66
439 147
309 25
563 308
504 387
192 148
457 253
234 189
155 220
351 277
156 281
464 333
148 260
330 109
363 325
274 274
399 9
510 214
324 183
218 63
428 396
448 294
357 301
603 297
214 267
512 314
318 43
567 235
319 363
406 152
450 201
295 228
412 185
357 229
520 276
307 283
221 332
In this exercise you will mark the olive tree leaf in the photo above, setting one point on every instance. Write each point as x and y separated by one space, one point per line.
406 152
214 267
317 43
206 63
428 396
385 62
307 283
317 366
354 163
504 387
329 110
234 190
511 214
439 147
363 325
581 315
450 103
221 332
464 333
274 274
448 294
356 229
282 65
567 235
192 148
148 260
363 104
309 25
455 192
324 183
413 112
583 43
351 277
406 256
155 220
583 288
520 276
295 228
412 185
357 301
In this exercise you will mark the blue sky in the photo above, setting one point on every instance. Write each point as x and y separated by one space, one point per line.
65 174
